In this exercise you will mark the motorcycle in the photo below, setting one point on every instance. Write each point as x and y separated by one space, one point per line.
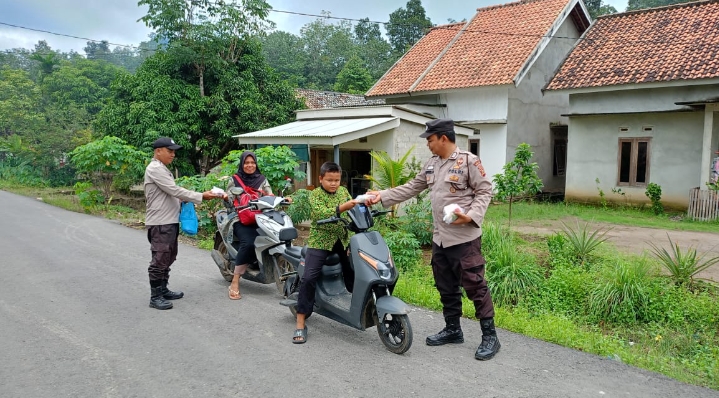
371 302
276 233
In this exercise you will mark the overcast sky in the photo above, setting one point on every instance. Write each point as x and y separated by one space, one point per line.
116 20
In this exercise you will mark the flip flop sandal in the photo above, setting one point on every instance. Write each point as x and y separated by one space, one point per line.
233 294
300 336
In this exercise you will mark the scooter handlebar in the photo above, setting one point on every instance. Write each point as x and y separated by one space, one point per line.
328 221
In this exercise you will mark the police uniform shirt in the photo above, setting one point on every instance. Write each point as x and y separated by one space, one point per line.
460 179
163 196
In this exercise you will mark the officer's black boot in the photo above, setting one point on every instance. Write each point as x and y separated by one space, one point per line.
490 343
157 301
451 334
168 294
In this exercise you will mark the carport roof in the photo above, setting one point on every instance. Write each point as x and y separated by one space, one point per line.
320 132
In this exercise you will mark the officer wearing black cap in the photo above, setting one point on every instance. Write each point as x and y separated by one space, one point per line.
454 176
162 219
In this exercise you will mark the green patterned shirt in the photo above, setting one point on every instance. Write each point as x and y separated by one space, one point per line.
324 205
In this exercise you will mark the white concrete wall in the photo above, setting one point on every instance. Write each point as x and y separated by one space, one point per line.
674 163
640 99
478 103
492 148
531 113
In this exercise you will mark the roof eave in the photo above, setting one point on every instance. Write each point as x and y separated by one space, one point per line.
638 86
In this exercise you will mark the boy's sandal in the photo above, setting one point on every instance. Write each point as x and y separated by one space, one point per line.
234 294
300 336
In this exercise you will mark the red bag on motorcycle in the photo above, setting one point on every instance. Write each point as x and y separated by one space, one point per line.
246 215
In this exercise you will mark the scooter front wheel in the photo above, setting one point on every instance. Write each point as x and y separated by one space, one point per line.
395 332
281 267
227 269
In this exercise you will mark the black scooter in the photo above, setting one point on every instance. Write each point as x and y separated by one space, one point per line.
371 302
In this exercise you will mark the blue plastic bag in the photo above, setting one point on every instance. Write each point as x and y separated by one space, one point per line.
188 218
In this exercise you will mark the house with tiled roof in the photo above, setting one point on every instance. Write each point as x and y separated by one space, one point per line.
488 74
319 99
643 90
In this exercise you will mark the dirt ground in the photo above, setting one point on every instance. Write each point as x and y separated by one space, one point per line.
635 239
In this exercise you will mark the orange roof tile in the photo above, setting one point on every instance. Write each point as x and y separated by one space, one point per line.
404 73
678 42
490 51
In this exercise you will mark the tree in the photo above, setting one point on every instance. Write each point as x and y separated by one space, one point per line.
98 50
205 32
407 25
353 78
520 178
641 4
161 99
328 47
286 54
374 50
599 7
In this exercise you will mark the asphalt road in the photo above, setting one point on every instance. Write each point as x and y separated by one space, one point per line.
75 322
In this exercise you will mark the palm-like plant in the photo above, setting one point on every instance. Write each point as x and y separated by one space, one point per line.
682 266
388 173
581 242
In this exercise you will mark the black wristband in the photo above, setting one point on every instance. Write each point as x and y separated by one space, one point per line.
337 210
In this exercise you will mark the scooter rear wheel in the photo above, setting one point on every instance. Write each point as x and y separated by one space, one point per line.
395 332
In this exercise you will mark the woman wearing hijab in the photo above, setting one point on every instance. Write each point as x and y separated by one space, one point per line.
244 241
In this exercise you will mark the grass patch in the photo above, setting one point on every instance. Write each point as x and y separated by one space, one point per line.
624 215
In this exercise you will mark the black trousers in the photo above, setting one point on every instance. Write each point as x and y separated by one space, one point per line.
314 260
244 242
461 265
163 245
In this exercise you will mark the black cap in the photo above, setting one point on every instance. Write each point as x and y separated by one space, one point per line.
438 126
165 142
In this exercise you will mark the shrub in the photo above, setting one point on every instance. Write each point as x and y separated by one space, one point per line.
622 293
404 248
511 274
559 251
418 221
89 197
682 266
654 193
581 242
565 291
276 164
299 210
104 160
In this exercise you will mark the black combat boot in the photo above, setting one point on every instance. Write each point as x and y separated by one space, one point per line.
451 334
490 343
157 301
168 294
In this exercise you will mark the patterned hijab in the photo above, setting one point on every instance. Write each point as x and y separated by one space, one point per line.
253 180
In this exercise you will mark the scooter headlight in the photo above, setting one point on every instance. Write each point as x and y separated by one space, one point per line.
384 270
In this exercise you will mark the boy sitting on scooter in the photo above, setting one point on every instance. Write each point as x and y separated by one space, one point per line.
327 200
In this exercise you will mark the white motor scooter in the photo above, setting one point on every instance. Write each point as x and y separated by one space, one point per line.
276 233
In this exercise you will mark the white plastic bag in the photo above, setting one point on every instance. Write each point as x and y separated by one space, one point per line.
449 215
364 198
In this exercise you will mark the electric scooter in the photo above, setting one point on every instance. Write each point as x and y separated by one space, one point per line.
276 233
371 302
